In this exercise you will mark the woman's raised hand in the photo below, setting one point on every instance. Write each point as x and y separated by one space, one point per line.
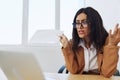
63 40
114 38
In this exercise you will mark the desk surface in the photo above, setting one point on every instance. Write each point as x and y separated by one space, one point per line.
54 76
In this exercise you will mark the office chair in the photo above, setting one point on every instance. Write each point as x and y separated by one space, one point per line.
117 73
63 68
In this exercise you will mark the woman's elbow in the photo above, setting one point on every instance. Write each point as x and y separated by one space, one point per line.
108 74
73 71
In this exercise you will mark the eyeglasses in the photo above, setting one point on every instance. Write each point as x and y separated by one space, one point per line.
82 24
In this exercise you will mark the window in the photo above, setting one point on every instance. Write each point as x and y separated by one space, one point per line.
10 21
41 15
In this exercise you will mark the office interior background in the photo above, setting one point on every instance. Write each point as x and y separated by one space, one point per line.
22 21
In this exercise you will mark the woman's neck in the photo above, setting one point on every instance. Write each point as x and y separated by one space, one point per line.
87 43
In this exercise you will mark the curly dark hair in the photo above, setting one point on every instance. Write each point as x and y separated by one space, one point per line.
97 35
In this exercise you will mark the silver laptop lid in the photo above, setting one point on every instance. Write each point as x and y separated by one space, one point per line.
20 66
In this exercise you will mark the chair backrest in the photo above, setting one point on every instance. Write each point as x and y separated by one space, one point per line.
63 69
117 73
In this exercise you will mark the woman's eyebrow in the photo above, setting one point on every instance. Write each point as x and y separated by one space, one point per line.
81 20
84 20
77 20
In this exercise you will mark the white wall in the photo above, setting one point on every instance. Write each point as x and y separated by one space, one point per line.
108 9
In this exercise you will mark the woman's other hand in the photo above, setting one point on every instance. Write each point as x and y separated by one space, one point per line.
63 40
114 38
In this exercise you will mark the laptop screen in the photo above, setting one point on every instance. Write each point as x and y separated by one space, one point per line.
20 66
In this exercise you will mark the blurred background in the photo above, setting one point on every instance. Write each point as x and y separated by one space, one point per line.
34 26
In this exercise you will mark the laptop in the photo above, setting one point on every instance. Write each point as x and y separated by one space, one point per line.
20 66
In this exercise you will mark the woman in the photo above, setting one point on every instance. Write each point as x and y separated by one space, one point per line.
91 50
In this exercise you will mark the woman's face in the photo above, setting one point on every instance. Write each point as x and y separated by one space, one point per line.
82 26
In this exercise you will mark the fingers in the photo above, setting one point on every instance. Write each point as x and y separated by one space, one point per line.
119 34
119 30
62 37
114 38
110 35
63 40
116 29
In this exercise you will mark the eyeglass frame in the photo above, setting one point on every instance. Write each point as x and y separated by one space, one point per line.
83 24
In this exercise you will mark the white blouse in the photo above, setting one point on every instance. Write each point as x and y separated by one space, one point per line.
90 56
